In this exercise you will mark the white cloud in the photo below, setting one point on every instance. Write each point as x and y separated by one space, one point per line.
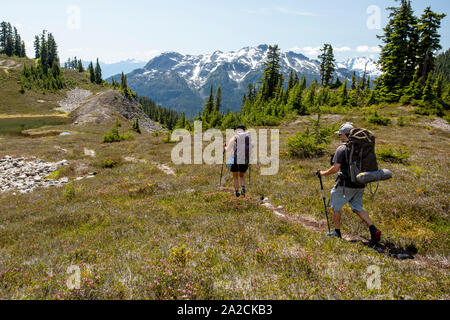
367 49
295 12
313 52
342 49
309 51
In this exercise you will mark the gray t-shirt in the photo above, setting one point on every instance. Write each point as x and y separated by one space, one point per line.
339 157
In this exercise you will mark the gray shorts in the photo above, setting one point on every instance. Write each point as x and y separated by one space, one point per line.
352 197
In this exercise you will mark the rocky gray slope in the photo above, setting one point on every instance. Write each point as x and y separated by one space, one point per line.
75 98
17 174
106 106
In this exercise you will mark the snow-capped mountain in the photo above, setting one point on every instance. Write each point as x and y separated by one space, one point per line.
360 65
182 82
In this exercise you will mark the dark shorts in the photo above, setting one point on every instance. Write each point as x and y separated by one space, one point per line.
239 168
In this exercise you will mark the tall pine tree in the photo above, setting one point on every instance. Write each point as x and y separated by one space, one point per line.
327 65
272 75
429 23
98 73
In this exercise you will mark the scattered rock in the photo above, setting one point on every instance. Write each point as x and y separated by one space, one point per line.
75 98
164 168
439 123
134 160
61 149
24 176
88 152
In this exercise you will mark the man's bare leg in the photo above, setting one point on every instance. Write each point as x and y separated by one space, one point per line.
364 217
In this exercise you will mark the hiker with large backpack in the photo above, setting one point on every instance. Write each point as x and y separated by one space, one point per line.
239 162
356 155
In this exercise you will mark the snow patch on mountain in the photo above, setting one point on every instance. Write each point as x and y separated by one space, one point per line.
360 64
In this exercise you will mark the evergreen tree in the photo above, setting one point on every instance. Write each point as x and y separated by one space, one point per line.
295 100
80 66
427 95
398 55
442 65
17 43
181 124
9 43
44 52
337 84
123 82
272 74
353 86
37 47
98 73
414 90
23 52
439 86
344 94
218 103
327 65
291 81
303 84
209 108
91 73
3 35
429 23
52 51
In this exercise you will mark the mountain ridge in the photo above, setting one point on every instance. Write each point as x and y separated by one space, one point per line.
183 81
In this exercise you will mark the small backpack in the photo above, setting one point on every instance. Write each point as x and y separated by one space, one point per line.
360 153
242 148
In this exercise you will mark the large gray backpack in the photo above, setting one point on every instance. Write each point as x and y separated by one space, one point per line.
360 153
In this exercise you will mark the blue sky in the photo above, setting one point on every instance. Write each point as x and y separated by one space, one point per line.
136 29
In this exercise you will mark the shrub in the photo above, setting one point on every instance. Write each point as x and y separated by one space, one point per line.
401 121
303 145
377 118
136 127
168 138
179 256
387 154
109 164
115 136
69 192
446 118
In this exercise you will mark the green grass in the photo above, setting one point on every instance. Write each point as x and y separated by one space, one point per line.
13 102
138 233
14 126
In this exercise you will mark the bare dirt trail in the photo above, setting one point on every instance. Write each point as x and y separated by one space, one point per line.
388 249
167 170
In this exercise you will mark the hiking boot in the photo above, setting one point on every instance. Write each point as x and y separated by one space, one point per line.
243 191
334 234
375 237
237 194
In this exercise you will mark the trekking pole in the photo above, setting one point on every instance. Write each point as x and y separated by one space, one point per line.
324 202
249 174
221 170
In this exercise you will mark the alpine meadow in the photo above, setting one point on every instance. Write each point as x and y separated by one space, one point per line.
93 205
